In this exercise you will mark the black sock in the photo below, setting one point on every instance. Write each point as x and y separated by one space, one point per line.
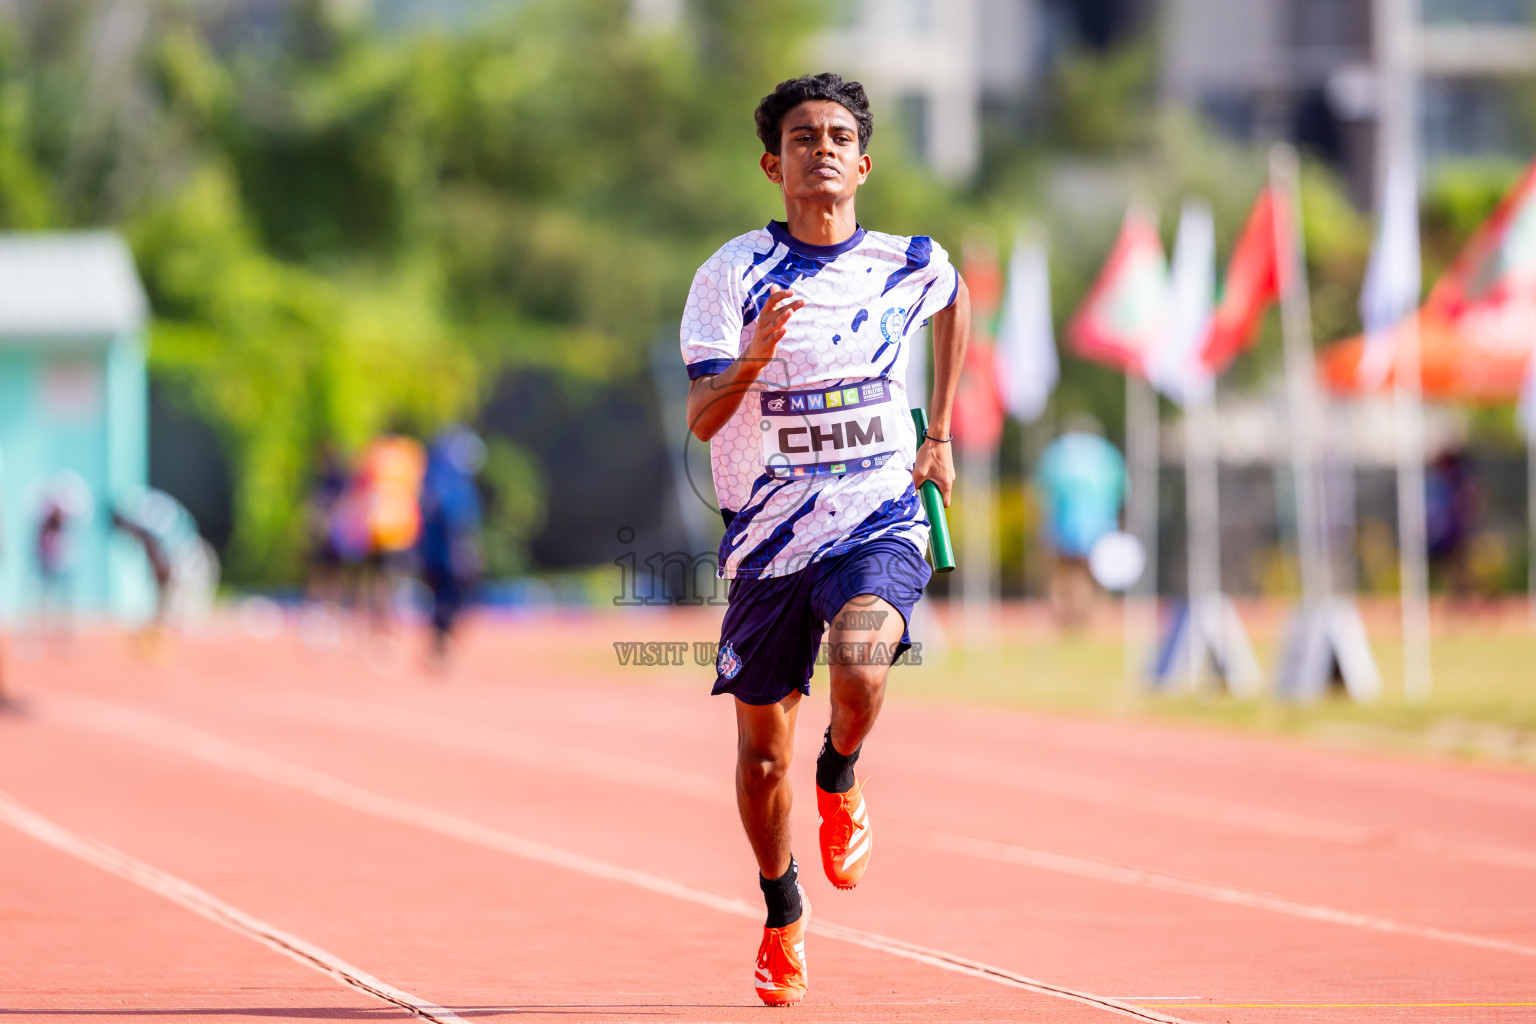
782 895
834 772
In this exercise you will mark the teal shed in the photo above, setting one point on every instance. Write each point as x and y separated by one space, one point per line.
73 397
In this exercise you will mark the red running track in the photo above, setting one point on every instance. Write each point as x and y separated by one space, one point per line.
260 831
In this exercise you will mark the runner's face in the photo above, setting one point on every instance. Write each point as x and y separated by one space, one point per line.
819 154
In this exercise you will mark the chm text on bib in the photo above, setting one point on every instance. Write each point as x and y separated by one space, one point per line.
828 431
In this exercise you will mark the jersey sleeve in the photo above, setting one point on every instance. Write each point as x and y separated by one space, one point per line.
712 320
945 279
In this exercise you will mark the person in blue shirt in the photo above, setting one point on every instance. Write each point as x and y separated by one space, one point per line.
1081 483
449 545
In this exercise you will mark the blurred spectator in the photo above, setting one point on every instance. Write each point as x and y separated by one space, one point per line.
325 494
1081 481
1451 508
154 638
382 511
183 566
450 548
63 509
5 696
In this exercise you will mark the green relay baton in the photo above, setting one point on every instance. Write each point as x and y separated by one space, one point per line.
940 551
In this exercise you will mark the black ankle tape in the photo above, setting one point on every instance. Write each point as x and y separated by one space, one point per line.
782 895
834 771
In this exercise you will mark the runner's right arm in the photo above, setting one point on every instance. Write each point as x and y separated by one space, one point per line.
714 399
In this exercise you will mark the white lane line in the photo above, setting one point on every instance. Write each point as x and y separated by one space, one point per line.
115 862
116 720
1086 788
499 743
524 748
1073 786
1129 874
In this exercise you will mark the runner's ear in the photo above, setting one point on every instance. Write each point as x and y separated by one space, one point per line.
773 168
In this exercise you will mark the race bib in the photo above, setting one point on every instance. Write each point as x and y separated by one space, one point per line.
829 431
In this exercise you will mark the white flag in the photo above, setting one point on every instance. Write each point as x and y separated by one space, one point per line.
1177 368
1027 365
1392 279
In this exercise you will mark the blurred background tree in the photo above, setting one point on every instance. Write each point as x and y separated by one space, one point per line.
354 218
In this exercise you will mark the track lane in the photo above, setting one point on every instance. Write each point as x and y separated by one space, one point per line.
80 944
1134 925
1434 892
298 863
593 710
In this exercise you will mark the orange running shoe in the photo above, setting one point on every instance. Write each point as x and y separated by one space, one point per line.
781 976
845 835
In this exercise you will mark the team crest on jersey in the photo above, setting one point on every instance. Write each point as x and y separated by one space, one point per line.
727 662
892 321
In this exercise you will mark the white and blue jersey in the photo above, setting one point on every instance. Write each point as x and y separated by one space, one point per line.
818 457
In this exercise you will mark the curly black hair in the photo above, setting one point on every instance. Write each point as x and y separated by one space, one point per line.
792 92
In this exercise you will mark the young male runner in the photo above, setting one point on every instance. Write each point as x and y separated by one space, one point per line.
796 338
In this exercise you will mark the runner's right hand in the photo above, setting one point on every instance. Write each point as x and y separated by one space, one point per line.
772 322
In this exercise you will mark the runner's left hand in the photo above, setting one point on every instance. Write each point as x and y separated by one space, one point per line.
935 463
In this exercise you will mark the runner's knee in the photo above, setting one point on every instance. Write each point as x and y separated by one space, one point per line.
762 767
859 686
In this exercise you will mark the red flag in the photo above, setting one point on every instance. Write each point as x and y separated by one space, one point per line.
1477 330
1252 284
1121 322
1460 360
1498 261
978 415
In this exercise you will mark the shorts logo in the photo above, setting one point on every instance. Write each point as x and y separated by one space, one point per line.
834 399
892 321
814 402
797 401
727 662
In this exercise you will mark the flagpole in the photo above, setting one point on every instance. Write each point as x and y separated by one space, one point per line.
1140 605
1300 365
1202 471
1530 515
1397 132
1412 525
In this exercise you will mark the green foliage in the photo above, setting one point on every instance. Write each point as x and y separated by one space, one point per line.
515 510
344 230
1102 102
1458 198
281 357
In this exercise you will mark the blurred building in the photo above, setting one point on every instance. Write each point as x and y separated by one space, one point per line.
953 69
73 397
931 64
1305 70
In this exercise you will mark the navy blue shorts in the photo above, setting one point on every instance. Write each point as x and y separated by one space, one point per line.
772 631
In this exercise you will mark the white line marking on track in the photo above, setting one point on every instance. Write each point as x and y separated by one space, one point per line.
1129 874
115 862
1075 786
499 743
524 748
126 723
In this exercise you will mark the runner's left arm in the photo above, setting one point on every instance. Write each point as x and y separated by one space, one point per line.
951 334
